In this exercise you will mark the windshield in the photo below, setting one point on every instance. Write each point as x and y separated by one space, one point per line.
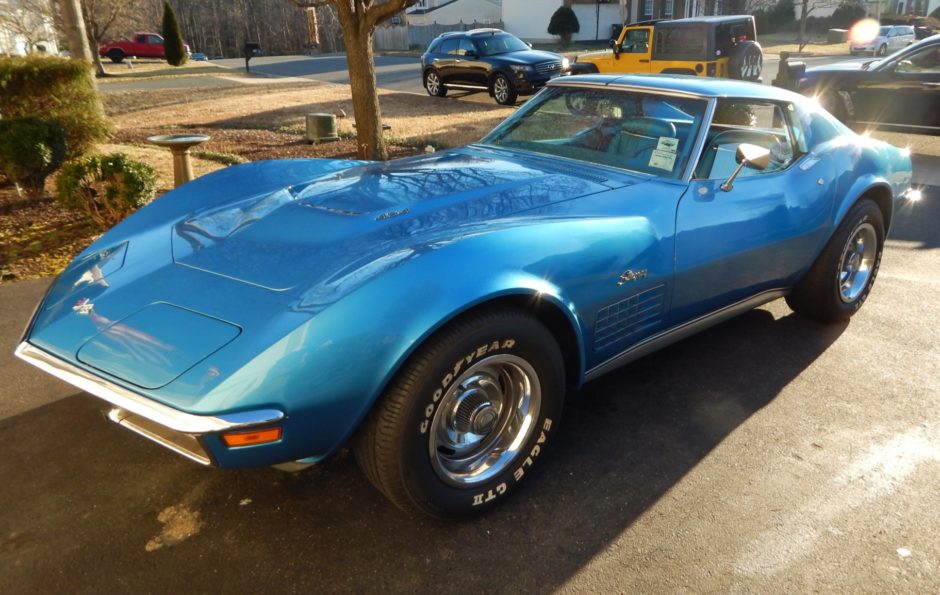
883 31
502 43
637 131
892 58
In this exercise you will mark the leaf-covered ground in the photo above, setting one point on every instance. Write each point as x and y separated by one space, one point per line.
245 123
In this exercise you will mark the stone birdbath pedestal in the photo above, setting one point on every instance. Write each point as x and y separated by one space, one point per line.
179 145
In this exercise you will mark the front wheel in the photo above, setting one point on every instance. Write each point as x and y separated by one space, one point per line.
833 103
883 50
467 417
433 84
842 277
503 91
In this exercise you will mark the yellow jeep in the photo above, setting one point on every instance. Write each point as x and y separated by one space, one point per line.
724 46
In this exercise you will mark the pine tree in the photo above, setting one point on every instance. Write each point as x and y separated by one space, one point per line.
173 47
564 23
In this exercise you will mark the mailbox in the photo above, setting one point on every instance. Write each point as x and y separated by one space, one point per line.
252 49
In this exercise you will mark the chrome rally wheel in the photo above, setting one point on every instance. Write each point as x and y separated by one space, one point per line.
483 421
840 280
858 261
468 417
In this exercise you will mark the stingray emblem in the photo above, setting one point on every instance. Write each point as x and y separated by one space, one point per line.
631 275
83 306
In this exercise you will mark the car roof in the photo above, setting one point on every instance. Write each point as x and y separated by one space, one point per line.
685 84
481 31
713 19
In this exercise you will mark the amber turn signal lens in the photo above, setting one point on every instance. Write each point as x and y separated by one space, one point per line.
249 438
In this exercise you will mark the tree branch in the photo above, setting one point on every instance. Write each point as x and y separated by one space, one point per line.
379 12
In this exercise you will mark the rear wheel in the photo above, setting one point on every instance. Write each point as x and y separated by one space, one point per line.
503 90
433 84
116 55
467 417
842 277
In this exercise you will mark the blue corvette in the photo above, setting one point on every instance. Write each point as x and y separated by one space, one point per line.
431 312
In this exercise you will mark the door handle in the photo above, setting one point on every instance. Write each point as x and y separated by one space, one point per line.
926 84
644 61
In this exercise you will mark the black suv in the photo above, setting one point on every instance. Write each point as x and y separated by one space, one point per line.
490 60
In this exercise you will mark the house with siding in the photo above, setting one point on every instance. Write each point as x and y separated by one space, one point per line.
528 19
453 12
24 28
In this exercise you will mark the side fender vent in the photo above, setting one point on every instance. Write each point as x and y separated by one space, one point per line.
635 314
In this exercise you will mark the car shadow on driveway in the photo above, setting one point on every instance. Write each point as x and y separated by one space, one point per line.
88 505
918 222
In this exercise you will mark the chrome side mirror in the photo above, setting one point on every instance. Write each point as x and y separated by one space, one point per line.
751 156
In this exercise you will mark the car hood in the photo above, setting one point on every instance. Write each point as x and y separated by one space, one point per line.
837 67
527 57
367 217
595 55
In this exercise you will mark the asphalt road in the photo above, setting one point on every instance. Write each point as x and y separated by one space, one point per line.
768 454
392 72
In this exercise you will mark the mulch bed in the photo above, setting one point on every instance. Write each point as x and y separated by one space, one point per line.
39 238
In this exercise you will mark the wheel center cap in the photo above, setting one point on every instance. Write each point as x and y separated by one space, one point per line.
483 419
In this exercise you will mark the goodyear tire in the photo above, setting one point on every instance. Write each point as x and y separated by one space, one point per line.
467 417
433 84
842 277
747 61
116 55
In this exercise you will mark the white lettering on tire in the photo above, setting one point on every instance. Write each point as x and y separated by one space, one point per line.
449 377
518 474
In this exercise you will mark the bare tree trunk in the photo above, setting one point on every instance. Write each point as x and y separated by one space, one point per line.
74 25
359 55
804 12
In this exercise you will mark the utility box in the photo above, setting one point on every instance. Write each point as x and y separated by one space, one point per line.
837 36
321 128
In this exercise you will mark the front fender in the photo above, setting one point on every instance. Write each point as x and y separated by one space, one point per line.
327 374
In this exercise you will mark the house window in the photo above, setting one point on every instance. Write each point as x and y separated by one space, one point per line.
667 8
648 8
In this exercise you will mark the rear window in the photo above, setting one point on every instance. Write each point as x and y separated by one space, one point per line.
681 43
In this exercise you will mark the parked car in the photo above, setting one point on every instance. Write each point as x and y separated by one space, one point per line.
923 31
889 39
724 46
488 60
144 45
198 57
432 311
898 92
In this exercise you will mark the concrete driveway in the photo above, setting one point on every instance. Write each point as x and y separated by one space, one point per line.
769 454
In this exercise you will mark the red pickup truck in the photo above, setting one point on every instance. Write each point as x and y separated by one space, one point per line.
145 45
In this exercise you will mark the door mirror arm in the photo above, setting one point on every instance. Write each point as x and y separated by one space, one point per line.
750 155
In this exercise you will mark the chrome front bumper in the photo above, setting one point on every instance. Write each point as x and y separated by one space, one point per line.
177 430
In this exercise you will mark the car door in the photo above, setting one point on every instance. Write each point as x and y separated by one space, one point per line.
755 237
635 50
902 94
445 58
472 70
